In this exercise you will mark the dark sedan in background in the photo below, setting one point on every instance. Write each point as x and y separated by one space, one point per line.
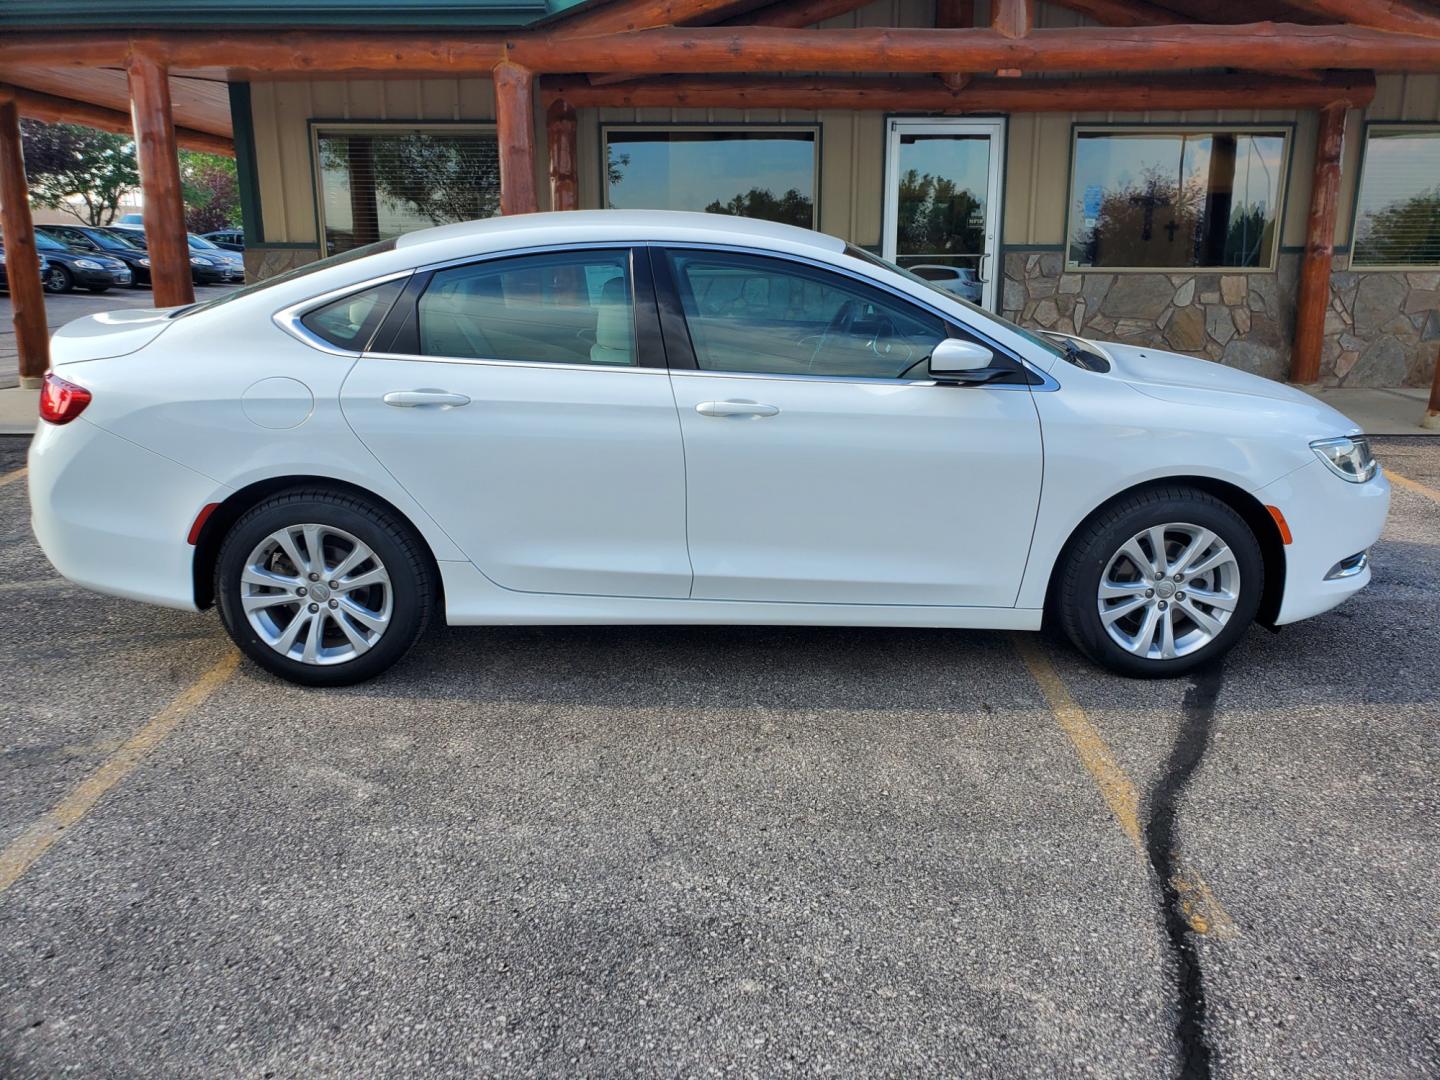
229 239
92 240
209 265
4 281
90 270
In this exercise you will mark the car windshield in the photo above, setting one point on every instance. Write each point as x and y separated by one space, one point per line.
45 243
987 316
201 243
116 241
291 275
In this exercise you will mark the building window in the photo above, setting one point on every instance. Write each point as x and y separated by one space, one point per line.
752 171
1147 198
1397 212
379 181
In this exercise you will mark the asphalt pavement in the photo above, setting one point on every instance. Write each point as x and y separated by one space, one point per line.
721 852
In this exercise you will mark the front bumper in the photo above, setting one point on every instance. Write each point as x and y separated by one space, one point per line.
88 279
1330 521
113 516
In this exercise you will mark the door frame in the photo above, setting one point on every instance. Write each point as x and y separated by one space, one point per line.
994 127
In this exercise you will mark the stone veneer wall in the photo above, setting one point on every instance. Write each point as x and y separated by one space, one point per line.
1383 328
262 262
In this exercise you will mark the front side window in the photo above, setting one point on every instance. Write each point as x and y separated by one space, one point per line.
755 172
560 308
1175 200
377 183
1397 212
768 316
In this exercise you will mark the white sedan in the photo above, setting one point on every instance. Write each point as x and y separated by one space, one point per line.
616 417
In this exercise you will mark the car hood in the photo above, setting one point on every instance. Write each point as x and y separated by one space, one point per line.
1188 380
111 333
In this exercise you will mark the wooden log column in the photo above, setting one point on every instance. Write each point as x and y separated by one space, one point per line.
1313 296
156 156
564 170
515 127
22 262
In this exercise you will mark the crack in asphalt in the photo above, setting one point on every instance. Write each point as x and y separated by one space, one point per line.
1188 751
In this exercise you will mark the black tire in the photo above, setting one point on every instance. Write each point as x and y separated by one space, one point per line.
1101 537
394 542
58 279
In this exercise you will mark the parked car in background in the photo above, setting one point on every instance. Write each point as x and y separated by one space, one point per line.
209 265
959 280
4 281
90 270
650 417
228 239
93 240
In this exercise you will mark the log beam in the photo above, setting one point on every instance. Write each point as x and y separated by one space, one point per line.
22 261
795 14
1396 16
954 15
515 131
159 166
1312 299
982 95
560 129
625 15
53 109
1124 12
720 50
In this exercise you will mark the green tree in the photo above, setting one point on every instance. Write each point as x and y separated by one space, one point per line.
937 217
1406 231
79 170
211 191
792 208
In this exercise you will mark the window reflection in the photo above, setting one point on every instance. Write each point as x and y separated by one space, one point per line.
1397 216
757 173
1176 199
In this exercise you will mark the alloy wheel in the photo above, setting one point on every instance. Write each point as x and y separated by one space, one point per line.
316 594
1169 591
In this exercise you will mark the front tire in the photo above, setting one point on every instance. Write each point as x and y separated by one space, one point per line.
323 588
58 279
1160 582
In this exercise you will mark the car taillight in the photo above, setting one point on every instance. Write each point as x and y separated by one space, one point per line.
61 401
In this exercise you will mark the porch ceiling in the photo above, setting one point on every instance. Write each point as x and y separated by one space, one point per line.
201 101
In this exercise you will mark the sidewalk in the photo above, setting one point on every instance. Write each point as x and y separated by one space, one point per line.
1378 412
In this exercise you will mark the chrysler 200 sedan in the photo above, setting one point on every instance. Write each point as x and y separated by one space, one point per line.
617 417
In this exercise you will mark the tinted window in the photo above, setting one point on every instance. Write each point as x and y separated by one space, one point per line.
769 316
351 321
561 308
1397 215
1175 199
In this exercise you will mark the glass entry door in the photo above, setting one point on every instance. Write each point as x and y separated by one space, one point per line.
942 202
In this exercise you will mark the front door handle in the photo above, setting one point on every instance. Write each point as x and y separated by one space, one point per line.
735 408
409 399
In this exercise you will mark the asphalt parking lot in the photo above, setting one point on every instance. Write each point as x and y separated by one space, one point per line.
695 852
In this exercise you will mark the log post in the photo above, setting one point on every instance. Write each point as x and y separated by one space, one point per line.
515 126
22 262
1432 410
156 156
1313 296
564 172
954 15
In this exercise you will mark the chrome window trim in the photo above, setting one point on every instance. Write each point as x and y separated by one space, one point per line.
481 361
288 318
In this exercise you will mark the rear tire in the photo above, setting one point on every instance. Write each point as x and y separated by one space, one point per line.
1158 617
323 588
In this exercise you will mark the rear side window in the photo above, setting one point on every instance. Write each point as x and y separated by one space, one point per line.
572 307
350 322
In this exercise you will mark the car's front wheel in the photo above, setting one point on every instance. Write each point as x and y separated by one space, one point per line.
1161 582
58 279
323 588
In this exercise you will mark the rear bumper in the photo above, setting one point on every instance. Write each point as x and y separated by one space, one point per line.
113 516
1330 521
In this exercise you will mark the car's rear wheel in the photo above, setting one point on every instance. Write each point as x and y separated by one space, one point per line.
1161 582
323 588
58 279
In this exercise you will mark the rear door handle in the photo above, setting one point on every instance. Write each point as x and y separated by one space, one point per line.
409 399
735 408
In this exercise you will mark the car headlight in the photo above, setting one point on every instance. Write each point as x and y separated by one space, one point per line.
196 260
87 264
144 262
1348 457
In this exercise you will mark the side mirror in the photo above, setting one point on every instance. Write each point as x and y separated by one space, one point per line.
960 361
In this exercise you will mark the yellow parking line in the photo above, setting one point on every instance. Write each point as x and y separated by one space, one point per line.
1203 911
13 475
1412 485
22 852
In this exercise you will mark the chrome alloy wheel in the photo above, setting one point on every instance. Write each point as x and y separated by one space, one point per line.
1169 591
316 594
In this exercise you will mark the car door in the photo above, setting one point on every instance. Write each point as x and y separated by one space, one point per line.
823 466
523 401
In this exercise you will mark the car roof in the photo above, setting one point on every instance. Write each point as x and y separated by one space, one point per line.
580 226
